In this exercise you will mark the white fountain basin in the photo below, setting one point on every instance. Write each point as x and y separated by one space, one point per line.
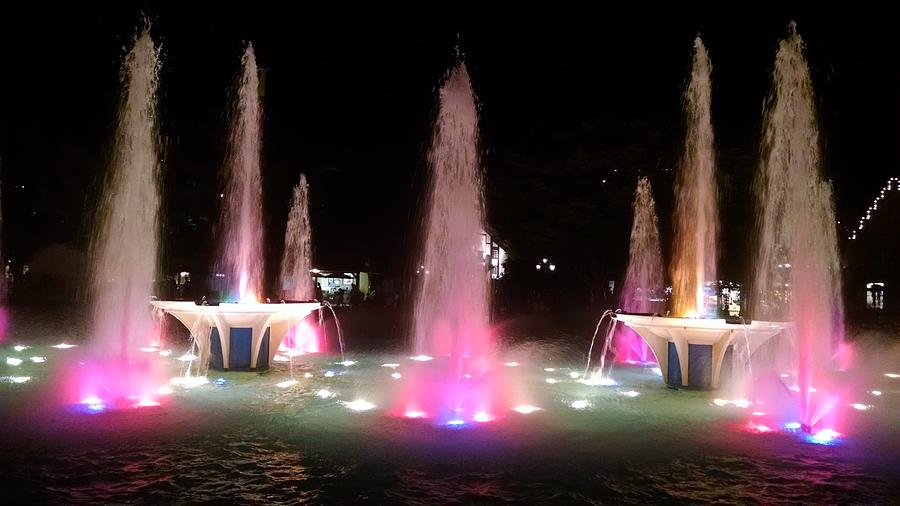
716 334
237 335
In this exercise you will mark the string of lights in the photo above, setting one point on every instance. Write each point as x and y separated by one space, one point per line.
893 184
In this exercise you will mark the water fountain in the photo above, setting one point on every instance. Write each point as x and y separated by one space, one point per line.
642 290
690 350
797 270
451 313
244 334
296 264
296 261
124 247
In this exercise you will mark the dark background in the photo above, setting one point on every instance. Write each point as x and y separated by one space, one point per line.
568 99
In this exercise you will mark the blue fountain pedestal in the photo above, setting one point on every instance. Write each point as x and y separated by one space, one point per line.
239 337
691 352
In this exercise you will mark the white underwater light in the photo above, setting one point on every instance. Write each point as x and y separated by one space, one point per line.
20 347
574 375
550 380
359 405
13 361
876 393
38 360
325 394
63 346
421 358
286 384
347 363
392 366
549 369
188 381
188 357
396 375
598 381
580 404
859 406
631 393
17 379
526 409
892 375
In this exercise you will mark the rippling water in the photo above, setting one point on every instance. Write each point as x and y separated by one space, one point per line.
249 441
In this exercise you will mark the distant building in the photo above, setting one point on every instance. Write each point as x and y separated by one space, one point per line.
872 256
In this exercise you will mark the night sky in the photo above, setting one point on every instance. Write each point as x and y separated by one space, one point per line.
568 100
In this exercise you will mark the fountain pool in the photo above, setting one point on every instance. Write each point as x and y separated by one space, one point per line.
242 437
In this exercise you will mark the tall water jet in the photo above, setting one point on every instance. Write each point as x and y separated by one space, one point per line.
797 271
241 248
451 314
644 276
696 210
296 263
451 311
296 260
125 241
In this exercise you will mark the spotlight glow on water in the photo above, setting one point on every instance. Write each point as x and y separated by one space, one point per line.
63 346
17 379
286 384
574 375
392 366
329 374
164 390
396 375
657 371
415 414
596 381
188 381
165 353
307 375
456 422
549 369
526 409
758 428
359 405
740 403
93 403
347 363
145 403
859 407
631 393
550 380
325 394
758 413
20 347
421 358
511 364
13 361
824 437
149 349
876 393
792 426
892 375
38 360
483 417
580 404
188 357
